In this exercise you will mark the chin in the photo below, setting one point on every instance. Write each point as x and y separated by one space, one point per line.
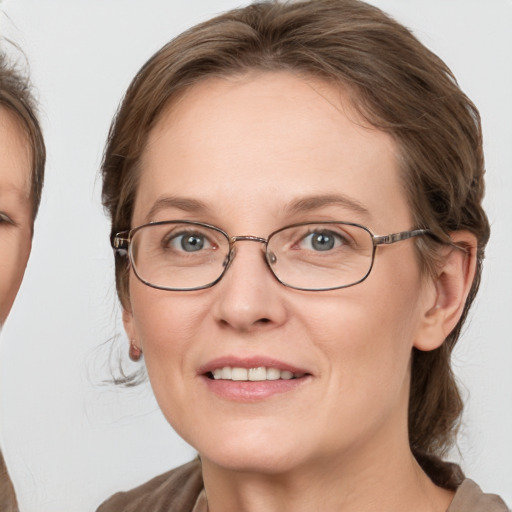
250 448
253 460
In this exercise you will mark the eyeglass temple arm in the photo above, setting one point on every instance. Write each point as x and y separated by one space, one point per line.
119 243
397 237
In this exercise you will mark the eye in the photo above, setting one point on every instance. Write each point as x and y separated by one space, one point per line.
321 241
5 219
187 242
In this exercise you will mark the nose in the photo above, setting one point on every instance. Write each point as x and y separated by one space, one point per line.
248 296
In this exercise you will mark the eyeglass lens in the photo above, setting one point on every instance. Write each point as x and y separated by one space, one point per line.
315 256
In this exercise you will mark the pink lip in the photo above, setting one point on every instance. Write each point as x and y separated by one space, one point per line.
251 391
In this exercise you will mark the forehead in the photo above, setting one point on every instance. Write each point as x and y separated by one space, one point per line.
268 139
15 162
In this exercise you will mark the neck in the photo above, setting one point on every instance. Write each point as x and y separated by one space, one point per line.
349 484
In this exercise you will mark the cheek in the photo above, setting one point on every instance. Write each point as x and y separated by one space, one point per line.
366 333
14 252
170 329
164 323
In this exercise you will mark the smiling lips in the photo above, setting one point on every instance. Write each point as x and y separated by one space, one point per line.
251 379
260 373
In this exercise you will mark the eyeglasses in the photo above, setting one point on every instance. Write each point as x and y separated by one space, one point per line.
312 256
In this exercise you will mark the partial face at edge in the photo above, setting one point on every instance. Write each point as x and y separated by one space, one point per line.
246 150
15 209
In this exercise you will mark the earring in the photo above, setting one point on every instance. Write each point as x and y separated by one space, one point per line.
135 352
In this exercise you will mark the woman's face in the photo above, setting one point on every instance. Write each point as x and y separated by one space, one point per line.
15 209
251 155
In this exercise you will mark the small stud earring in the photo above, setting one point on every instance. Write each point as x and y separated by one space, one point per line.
135 352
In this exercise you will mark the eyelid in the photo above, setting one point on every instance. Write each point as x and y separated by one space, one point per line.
333 229
174 234
187 230
5 218
330 232
342 235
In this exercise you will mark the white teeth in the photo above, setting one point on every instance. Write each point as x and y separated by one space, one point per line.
257 373
239 373
273 374
253 374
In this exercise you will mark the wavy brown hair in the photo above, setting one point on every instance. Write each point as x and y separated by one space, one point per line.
395 82
16 96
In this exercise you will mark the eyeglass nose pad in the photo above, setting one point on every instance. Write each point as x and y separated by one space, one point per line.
271 258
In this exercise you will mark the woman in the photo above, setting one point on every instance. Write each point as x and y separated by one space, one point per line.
22 158
295 193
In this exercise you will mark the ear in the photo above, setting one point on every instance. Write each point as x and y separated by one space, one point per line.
448 291
129 327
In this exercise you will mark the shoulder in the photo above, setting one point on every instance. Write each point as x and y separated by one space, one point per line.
470 498
174 491
7 496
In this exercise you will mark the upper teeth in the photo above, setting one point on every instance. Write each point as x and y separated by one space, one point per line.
254 374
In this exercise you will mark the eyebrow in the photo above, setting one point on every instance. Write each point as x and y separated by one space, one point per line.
304 204
180 203
311 203
9 188
12 193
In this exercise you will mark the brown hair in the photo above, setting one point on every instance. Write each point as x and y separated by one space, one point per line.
8 501
397 84
16 97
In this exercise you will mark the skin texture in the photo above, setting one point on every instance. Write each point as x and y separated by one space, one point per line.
248 148
15 209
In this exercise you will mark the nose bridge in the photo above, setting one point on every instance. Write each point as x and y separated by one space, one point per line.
247 238
248 299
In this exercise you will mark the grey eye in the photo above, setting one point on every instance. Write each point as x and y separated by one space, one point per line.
188 242
321 241
192 243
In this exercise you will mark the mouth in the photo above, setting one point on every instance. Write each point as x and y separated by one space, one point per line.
252 379
257 374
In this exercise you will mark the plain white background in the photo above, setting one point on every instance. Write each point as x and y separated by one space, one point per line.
71 439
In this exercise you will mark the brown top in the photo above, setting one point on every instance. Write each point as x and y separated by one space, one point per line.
470 498
174 491
7 496
181 490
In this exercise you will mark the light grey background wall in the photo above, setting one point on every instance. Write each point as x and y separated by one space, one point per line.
69 438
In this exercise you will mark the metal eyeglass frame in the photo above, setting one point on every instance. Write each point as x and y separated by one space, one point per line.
120 242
